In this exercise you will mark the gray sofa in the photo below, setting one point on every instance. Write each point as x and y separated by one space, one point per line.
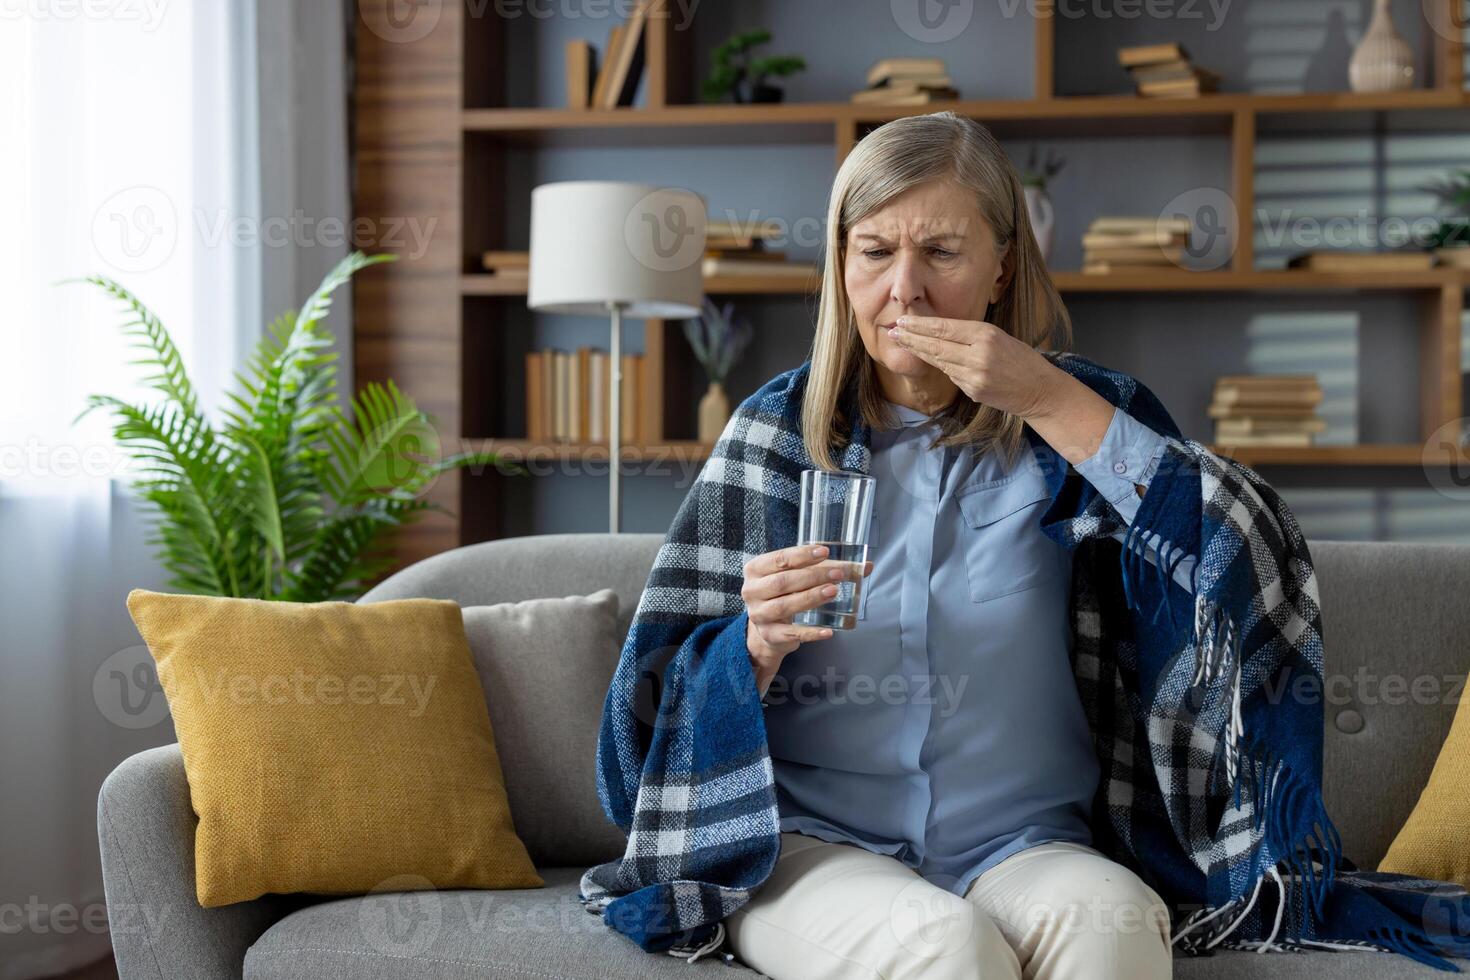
1388 609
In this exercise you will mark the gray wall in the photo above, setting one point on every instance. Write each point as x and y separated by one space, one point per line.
1364 347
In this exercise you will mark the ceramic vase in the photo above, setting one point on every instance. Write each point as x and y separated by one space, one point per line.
1043 218
1383 61
714 413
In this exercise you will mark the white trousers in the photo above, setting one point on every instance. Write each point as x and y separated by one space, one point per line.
1053 911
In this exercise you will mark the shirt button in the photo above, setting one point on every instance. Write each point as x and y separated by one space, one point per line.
1120 467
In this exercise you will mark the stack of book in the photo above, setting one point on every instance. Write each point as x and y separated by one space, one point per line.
1127 244
616 83
1164 71
733 248
567 396
907 81
1266 409
510 266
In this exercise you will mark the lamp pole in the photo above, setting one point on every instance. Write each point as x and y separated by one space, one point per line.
615 434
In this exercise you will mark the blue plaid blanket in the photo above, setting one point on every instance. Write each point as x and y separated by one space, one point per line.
1210 789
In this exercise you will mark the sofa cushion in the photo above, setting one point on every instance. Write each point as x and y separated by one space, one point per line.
545 934
331 746
538 934
545 666
1435 841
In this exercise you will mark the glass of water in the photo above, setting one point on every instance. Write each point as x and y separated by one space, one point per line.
837 511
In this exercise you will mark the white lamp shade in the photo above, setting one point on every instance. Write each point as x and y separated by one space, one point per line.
595 242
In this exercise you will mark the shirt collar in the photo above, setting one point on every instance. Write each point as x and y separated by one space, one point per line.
908 416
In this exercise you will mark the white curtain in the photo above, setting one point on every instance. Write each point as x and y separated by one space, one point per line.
131 146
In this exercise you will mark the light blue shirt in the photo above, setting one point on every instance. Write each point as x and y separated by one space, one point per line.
946 729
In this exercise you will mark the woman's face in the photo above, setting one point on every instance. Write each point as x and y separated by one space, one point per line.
927 252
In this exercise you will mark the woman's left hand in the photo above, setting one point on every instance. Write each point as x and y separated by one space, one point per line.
988 364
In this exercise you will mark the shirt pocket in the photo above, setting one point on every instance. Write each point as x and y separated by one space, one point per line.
1005 549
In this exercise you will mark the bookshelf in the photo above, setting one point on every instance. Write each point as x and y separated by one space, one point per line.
432 136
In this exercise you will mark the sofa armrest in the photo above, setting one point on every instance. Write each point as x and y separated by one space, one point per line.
145 825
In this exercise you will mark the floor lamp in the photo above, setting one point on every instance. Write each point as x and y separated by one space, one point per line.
607 248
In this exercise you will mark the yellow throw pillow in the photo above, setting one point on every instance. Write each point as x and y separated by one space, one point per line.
332 746
1435 841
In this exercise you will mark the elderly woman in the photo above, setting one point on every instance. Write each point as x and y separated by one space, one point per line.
943 830
1023 761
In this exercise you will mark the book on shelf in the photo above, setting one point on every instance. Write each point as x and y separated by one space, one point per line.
1164 71
1151 255
581 69
1151 54
897 69
506 263
1342 260
604 74
1295 440
907 81
1119 224
756 254
1124 243
1454 257
625 60
567 396
1253 425
752 267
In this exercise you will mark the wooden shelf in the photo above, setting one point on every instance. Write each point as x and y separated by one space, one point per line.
425 147
1180 280
1153 281
1371 454
1087 115
521 450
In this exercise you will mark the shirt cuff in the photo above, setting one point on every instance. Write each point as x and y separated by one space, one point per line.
1129 453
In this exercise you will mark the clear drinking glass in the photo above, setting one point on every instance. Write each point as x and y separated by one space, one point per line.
837 511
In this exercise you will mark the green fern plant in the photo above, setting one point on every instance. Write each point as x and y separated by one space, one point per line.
286 499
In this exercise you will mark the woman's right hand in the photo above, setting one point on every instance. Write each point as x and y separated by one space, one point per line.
778 585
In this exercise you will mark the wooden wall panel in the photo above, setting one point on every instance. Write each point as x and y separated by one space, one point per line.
407 103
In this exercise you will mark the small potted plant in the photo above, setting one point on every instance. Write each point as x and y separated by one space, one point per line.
718 338
1451 240
744 78
1034 179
